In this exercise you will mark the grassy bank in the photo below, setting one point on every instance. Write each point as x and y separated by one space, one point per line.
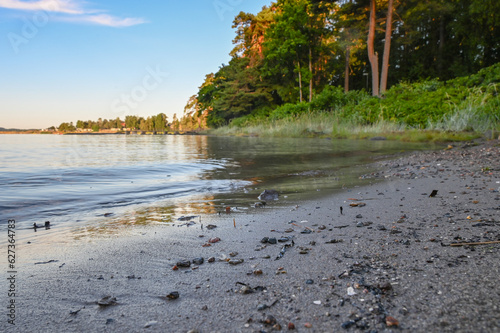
323 124
431 110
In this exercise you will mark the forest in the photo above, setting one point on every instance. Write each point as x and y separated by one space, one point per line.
409 62
332 67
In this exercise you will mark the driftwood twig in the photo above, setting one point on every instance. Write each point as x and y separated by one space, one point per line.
477 243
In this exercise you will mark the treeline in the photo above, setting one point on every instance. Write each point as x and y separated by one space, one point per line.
292 50
153 123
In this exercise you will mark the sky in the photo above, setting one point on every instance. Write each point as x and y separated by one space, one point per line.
69 60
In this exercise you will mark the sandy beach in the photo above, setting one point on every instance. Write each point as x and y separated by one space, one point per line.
393 259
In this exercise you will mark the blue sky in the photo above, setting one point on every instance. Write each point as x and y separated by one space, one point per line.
69 60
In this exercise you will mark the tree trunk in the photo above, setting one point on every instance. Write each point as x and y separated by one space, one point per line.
346 72
300 83
441 46
311 73
387 48
372 55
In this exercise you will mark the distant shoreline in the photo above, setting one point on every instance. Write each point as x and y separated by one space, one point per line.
103 133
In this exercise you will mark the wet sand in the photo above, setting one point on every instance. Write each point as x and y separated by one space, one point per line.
389 265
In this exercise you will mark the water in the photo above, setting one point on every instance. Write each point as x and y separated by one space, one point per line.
76 181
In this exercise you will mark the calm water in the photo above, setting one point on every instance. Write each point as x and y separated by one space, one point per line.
89 180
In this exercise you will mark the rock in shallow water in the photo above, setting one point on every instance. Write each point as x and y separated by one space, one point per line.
269 195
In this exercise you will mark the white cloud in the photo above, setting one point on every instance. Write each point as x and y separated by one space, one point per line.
106 20
74 12
59 6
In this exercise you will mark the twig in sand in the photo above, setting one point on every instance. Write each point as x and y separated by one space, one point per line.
476 243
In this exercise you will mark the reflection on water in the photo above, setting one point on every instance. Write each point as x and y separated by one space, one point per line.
103 184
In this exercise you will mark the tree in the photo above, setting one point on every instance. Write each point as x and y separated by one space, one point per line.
291 41
387 48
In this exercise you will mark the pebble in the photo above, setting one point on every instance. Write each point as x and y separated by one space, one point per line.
391 321
211 259
235 261
270 320
309 281
151 324
261 307
183 263
198 261
106 301
173 295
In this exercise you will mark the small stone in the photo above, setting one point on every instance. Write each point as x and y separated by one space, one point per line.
198 261
350 291
173 295
246 290
386 286
264 240
308 325
233 254
211 226
291 326
309 281
257 272
183 263
204 308
317 302
214 240
348 324
211 259
270 320
391 321
151 324
235 261
262 307
272 240
106 301
359 216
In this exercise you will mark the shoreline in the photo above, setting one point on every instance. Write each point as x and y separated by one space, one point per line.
393 253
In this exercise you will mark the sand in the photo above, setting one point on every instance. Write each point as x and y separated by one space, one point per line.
383 266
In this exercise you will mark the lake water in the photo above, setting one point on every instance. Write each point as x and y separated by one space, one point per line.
74 181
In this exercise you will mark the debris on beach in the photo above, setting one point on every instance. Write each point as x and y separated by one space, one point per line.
211 226
283 250
187 218
433 193
46 262
151 324
214 240
357 204
107 301
334 241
